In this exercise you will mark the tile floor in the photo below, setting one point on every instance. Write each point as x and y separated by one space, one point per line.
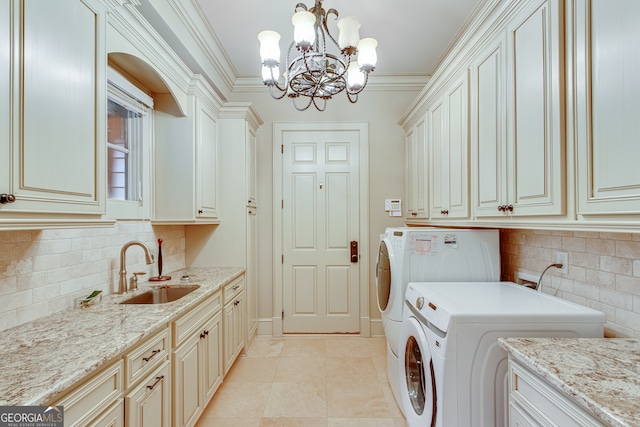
302 381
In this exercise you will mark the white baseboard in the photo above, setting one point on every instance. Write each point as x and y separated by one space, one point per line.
376 328
265 326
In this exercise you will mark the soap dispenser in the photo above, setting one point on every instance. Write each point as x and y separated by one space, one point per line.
133 282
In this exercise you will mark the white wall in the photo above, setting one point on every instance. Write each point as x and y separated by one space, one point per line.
381 110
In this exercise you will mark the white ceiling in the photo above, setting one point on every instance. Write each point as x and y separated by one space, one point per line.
412 34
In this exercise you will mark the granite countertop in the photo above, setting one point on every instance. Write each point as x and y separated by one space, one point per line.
41 358
602 375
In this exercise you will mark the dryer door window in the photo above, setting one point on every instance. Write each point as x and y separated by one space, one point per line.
383 276
419 378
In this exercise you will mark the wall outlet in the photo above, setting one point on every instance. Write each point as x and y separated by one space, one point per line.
563 258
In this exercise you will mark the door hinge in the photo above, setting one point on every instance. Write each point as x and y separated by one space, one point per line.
282 203
283 258
282 314
282 148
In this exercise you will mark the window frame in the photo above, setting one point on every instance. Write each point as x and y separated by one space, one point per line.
125 93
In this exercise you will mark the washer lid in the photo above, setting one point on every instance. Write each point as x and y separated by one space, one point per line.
499 301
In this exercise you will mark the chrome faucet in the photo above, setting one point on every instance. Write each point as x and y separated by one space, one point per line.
122 284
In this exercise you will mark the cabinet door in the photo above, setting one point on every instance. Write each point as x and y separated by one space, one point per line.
149 404
251 162
58 113
449 145
457 175
207 155
410 143
113 417
234 329
535 110
439 158
488 133
251 275
607 93
518 417
188 404
211 348
229 335
239 320
6 88
417 196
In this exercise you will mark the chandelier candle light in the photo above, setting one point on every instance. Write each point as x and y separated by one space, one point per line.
311 70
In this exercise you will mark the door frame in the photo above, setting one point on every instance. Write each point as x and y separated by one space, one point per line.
363 245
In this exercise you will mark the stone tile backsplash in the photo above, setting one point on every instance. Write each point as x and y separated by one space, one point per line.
604 271
43 271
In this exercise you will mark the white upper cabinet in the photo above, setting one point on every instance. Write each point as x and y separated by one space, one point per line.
416 162
488 129
607 104
186 161
535 110
449 151
53 113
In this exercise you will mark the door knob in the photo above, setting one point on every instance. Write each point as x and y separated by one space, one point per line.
354 251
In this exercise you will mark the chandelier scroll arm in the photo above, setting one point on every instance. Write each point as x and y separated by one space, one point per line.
326 27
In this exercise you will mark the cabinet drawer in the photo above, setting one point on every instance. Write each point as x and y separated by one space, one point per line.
232 289
139 362
91 398
191 321
544 404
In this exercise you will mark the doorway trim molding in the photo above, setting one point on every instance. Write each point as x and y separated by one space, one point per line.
363 165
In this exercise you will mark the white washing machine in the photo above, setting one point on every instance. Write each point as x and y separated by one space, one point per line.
454 373
427 254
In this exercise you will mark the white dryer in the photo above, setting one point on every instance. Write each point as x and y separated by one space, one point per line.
427 254
454 373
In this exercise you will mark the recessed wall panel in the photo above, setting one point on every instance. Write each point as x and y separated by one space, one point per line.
337 290
304 211
337 230
304 290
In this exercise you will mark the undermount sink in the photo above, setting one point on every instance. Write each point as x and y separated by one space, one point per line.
161 294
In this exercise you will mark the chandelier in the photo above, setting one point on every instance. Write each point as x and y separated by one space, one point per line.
319 67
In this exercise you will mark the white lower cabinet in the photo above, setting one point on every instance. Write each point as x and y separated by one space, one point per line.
169 378
149 404
197 363
234 321
534 402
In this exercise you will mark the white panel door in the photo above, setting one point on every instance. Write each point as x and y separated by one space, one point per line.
320 218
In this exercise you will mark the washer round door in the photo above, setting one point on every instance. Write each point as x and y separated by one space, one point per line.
383 274
417 382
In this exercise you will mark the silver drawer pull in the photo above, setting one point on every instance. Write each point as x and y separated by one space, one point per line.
153 353
158 379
